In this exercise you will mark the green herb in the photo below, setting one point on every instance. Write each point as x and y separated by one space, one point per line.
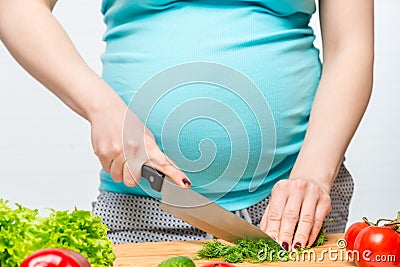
321 238
252 250
23 231
244 250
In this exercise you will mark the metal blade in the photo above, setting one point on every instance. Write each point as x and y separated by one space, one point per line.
205 215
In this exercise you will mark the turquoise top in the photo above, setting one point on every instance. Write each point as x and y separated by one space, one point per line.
269 42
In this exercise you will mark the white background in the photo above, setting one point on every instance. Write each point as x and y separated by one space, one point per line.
46 159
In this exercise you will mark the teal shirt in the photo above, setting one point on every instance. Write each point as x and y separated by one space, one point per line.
270 42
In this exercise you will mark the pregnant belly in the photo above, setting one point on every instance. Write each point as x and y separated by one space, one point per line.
212 133
217 135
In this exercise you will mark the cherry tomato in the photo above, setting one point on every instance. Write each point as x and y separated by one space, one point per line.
218 264
55 257
378 247
352 233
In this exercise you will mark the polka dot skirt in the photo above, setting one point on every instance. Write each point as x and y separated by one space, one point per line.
132 219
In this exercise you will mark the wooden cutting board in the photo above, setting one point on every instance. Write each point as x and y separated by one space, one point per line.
151 254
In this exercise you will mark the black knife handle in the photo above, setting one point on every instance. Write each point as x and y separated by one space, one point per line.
155 177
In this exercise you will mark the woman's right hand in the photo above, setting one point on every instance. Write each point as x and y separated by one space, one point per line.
62 70
123 145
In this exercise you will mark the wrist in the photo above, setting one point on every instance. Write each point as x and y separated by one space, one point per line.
318 173
105 100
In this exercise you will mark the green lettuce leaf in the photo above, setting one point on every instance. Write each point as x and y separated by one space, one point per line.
23 231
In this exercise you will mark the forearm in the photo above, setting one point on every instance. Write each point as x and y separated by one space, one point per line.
339 105
347 29
38 42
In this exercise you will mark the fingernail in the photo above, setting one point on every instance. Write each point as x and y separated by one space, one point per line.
186 181
297 245
285 245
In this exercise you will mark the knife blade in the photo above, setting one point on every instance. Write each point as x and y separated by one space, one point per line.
200 212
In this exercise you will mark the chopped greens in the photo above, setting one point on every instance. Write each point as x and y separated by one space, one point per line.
254 251
23 231
321 238
244 250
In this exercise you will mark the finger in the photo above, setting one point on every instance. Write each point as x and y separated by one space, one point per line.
131 172
306 221
263 222
290 219
161 162
106 164
323 208
275 209
116 169
106 154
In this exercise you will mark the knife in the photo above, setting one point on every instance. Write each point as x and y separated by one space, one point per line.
202 213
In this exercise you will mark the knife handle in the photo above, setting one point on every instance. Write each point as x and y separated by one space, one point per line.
156 178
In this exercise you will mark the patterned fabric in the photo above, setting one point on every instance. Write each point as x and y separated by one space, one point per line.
133 219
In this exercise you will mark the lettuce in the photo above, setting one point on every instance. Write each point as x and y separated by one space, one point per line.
23 231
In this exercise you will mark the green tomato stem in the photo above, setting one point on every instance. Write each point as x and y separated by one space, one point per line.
368 222
385 220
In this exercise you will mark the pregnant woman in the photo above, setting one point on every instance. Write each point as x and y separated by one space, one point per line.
205 135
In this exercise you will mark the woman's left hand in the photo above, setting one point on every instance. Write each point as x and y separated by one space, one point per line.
300 202
338 107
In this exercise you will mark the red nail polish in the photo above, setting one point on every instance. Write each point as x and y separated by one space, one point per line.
297 246
285 245
186 181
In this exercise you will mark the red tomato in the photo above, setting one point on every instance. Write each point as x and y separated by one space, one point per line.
218 264
352 233
378 247
55 257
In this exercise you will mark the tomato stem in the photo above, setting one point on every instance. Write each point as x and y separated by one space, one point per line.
368 222
385 220
393 225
